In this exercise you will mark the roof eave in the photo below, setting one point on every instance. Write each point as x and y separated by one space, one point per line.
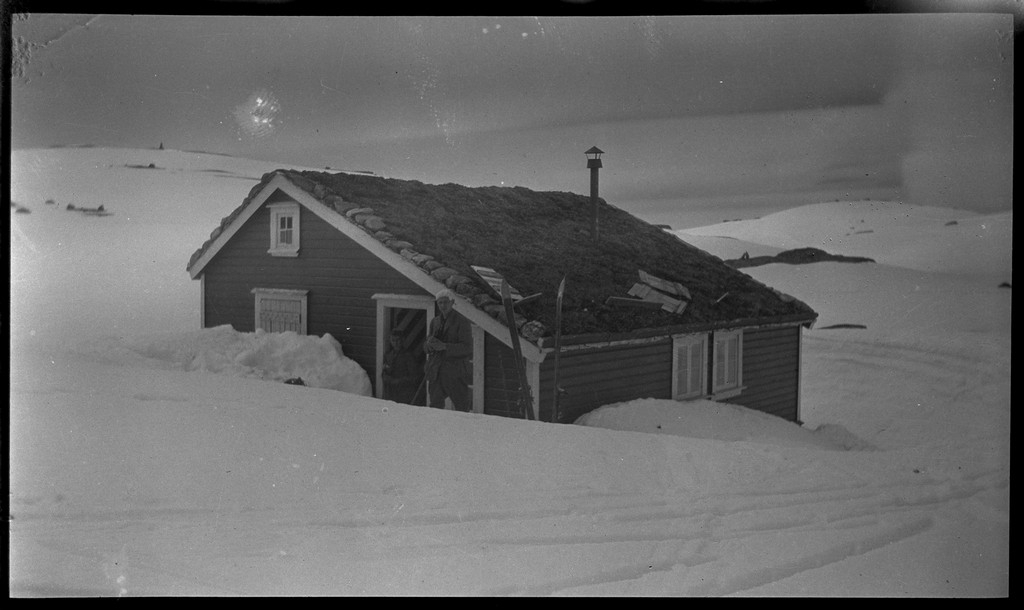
805 320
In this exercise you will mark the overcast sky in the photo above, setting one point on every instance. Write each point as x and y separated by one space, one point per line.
737 110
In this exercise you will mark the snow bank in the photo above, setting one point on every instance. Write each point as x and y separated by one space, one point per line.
915 237
707 419
173 469
318 361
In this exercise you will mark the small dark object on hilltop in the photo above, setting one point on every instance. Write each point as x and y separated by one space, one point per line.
951 223
843 326
1004 285
295 381
798 256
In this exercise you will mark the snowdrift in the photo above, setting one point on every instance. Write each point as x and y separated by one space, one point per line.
149 458
318 362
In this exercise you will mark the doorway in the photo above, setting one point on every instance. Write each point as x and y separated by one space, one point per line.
412 326
410 315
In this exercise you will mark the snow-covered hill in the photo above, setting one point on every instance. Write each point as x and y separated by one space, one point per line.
108 274
892 233
151 458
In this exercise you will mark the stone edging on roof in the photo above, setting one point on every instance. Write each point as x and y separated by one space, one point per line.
365 218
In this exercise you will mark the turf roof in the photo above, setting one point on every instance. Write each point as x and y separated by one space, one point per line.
535 238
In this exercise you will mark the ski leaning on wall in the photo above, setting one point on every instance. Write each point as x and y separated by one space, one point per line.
558 346
525 400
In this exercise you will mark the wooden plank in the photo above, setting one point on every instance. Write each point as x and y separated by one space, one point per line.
525 300
780 351
494 280
617 355
768 396
780 332
769 342
600 377
637 303
769 361
769 387
648 293
667 286
612 380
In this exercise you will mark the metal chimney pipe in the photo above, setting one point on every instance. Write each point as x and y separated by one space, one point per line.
594 163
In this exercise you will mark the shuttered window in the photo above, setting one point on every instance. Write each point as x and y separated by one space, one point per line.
689 358
280 310
727 373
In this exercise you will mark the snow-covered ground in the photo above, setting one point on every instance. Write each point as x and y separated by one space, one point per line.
151 458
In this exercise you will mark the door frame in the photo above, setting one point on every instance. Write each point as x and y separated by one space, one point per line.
386 302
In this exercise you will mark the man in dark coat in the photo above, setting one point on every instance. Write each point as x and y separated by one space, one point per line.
402 373
449 348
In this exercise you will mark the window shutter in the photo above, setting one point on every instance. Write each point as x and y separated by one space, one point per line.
688 360
727 362
696 367
683 384
280 315
732 360
720 360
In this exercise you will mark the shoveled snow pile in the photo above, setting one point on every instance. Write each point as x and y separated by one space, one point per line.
717 420
319 362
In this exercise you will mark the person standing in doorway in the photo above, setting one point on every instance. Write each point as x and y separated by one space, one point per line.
401 373
449 347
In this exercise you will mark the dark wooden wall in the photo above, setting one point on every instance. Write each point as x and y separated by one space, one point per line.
500 385
595 377
600 376
340 275
771 367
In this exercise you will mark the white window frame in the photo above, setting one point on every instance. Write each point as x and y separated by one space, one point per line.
727 389
282 294
687 342
277 212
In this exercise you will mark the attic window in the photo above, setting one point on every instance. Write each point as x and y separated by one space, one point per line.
284 229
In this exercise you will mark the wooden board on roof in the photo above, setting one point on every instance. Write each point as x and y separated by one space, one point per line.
665 286
494 280
669 304
627 302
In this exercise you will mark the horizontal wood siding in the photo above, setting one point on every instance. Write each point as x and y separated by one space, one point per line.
340 275
597 377
500 386
771 371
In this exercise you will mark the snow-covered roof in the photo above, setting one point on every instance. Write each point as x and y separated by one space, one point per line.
534 239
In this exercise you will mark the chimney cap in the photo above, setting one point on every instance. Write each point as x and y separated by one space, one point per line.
594 151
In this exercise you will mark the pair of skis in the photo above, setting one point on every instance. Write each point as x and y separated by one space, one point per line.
525 399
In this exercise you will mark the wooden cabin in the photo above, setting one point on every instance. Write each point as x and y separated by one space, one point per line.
645 314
